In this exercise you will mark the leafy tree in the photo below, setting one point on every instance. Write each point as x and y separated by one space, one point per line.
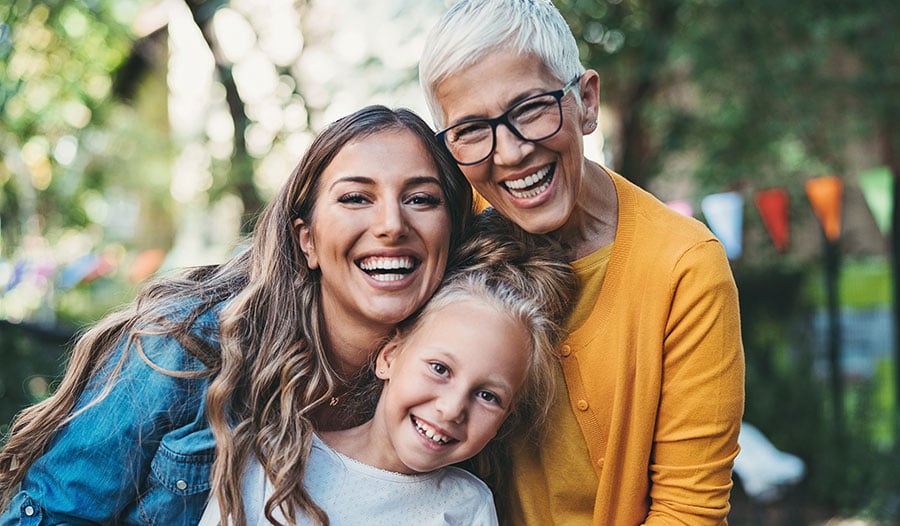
766 90
56 65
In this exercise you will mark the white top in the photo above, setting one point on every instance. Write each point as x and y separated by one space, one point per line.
353 493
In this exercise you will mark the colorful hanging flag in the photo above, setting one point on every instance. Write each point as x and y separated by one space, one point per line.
724 214
681 206
85 269
145 264
877 185
772 204
825 195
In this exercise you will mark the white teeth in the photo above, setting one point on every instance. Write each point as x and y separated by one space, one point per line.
517 185
531 193
387 277
430 433
386 263
385 269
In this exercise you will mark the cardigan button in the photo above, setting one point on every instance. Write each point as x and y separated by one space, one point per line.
582 405
565 351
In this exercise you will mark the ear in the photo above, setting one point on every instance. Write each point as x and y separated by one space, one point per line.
305 238
589 91
386 357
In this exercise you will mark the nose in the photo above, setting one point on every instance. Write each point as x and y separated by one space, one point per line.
509 149
390 221
451 405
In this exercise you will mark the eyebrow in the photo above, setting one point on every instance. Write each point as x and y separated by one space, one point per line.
413 181
493 381
515 100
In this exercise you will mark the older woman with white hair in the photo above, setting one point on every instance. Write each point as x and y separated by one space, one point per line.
647 428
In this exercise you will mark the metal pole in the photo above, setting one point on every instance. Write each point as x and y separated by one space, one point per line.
832 266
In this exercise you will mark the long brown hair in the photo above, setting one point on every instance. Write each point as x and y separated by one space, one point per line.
272 369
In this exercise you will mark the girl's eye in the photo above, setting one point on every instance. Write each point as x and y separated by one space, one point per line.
439 368
488 396
425 199
353 198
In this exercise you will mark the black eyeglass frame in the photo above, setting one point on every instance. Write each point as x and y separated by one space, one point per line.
504 119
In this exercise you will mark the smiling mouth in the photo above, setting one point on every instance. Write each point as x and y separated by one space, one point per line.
383 268
531 185
431 434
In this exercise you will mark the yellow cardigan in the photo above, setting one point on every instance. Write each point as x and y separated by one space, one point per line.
655 380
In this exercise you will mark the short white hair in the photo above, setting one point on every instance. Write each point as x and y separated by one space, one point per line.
472 29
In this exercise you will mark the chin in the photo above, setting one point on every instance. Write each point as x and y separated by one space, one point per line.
541 226
391 318
539 220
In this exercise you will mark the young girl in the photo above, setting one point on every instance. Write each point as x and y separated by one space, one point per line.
476 363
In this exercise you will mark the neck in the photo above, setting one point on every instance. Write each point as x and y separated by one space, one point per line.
593 222
351 349
353 442
368 443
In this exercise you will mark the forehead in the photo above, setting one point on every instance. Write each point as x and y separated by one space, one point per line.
475 336
492 84
388 155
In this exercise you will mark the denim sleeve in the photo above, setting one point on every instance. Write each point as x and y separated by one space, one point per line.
142 452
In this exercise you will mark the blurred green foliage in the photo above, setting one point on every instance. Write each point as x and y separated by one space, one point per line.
33 358
65 138
765 92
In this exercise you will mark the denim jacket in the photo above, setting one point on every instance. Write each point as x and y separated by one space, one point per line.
142 455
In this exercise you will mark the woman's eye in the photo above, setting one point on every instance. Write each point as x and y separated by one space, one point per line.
439 368
353 198
469 132
425 199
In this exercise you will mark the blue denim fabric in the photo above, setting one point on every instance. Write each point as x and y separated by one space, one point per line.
142 455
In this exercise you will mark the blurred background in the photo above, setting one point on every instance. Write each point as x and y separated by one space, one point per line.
137 136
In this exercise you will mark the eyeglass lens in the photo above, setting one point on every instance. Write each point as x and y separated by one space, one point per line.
533 119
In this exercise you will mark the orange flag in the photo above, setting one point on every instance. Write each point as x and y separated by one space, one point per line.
825 195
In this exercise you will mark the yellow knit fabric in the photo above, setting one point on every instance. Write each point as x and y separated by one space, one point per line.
655 385
569 495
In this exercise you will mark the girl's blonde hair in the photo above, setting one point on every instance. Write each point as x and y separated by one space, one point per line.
272 367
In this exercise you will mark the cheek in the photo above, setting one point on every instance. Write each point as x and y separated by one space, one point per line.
490 425
477 174
443 232
436 235
407 386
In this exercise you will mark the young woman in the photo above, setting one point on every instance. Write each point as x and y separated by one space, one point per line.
654 366
478 359
170 397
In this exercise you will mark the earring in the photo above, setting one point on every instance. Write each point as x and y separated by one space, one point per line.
589 127
380 371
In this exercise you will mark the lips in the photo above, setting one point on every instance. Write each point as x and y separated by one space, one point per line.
387 268
531 185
